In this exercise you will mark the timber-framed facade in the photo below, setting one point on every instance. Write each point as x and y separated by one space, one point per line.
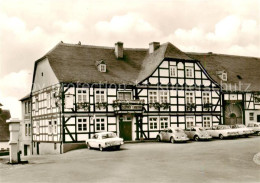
79 90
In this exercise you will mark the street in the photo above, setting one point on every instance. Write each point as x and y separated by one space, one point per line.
229 160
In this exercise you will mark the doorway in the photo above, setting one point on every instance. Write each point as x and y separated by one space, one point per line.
258 118
25 153
125 127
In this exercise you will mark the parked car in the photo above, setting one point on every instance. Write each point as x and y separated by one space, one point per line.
242 130
173 135
198 133
255 126
222 131
104 140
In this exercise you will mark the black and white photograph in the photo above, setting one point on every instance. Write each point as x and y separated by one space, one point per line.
135 91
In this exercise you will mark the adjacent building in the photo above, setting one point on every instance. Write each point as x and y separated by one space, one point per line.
79 90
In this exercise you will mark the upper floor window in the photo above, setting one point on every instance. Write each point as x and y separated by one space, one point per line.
48 100
164 96
206 97
224 76
153 123
123 95
100 96
29 129
55 127
173 71
37 127
189 72
49 127
257 99
190 98
102 68
26 129
36 104
206 121
190 122
153 96
82 95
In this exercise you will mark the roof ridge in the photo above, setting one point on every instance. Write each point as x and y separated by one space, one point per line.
95 46
220 54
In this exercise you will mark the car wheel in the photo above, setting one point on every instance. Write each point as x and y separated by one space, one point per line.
172 140
196 138
100 148
88 146
258 133
158 138
221 137
117 147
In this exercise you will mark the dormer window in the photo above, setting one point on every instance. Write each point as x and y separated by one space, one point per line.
101 65
222 75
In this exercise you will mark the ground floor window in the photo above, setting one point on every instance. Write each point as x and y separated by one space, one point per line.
251 116
190 121
82 124
164 121
153 123
100 124
206 121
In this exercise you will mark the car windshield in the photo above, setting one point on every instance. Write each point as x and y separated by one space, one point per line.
108 135
224 127
202 129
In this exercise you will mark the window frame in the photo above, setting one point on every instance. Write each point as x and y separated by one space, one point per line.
100 95
83 96
131 96
82 122
153 123
164 122
102 67
251 116
173 71
187 97
189 121
207 120
189 72
99 121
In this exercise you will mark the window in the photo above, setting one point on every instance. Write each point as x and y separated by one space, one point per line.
163 96
153 96
37 127
189 72
29 129
257 99
164 122
124 95
190 122
29 107
206 121
102 67
189 98
55 127
100 124
82 95
224 76
49 127
25 130
206 97
25 107
82 124
48 100
251 116
36 104
100 96
153 123
173 71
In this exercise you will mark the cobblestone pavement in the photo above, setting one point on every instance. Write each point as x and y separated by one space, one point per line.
231 160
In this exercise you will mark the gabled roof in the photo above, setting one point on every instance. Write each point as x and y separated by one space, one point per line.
246 68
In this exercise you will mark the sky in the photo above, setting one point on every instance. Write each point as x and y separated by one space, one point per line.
30 28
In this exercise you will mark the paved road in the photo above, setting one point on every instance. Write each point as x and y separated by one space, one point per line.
210 161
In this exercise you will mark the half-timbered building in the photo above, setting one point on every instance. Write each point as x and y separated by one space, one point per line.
79 90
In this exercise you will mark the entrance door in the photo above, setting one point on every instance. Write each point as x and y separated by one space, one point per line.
125 128
233 112
25 150
258 118
38 148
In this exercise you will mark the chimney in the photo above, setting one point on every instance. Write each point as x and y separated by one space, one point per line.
119 50
153 46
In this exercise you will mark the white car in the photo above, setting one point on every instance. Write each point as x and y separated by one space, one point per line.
255 126
242 130
173 135
198 133
104 140
222 131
